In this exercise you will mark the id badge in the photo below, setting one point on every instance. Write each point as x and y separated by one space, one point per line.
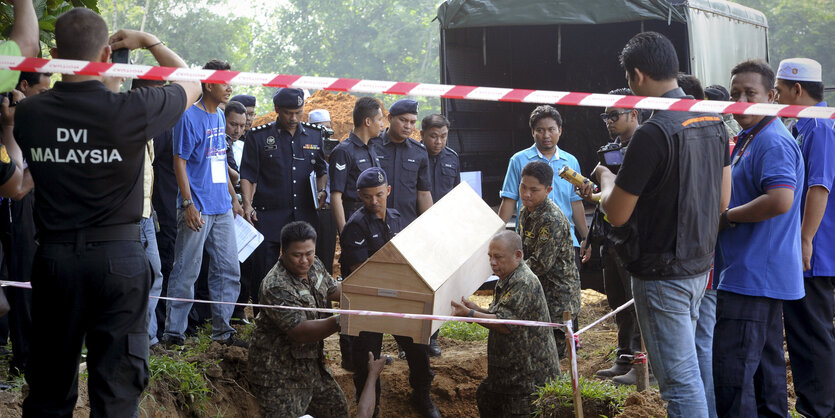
218 170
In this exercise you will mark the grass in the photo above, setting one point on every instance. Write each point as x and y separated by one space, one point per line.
464 331
182 378
559 392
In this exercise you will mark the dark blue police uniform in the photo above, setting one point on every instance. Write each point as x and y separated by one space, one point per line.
350 158
280 165
444 172
407 168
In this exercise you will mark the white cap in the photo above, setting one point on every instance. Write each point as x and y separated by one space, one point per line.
800 69
319 115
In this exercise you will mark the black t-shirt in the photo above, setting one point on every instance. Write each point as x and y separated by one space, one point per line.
86 148
643 173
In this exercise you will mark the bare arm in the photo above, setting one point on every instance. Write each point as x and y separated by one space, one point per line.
506 209
463 309
321 184
25 29
579 214
816 199
236 206
366 404
338 211
132 39
725 198
193 218
314 330
247 191
424 201
336 295
773 203
233 175
617 204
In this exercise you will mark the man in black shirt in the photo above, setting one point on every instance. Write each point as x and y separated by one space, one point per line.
672 158
86 146
406 162
369 228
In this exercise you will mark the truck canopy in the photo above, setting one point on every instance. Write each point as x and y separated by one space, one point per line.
570 45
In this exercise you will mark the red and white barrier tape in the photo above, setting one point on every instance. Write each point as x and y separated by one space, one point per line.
408 88
604 317
524 323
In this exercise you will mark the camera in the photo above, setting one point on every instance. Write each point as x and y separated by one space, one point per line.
611 156
329 142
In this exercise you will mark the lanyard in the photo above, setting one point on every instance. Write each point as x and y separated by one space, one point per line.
748 137
216 124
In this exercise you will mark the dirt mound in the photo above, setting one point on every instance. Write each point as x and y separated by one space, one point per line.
646 404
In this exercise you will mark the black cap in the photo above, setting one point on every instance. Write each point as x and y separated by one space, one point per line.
403 106
717 93
289 98
371 177
244 99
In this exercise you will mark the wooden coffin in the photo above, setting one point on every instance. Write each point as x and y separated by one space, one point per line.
439 257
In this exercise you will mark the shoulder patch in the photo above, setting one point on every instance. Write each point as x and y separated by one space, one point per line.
451 150
262 127
313 126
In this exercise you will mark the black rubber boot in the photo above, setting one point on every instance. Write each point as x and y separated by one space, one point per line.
621 367
434 348
423 403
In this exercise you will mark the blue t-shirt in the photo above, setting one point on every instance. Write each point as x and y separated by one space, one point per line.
200 139
562 193
764 258
816 138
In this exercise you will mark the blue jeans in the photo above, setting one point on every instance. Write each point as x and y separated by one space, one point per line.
149 241
704 346
667 313
218 236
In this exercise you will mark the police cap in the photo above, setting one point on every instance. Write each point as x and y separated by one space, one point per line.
371 177
244 99
403 106
289 98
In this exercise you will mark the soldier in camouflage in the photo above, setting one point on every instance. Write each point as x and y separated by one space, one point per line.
547 245
287 372
519 358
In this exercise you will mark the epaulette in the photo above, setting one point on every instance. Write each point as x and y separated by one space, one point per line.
262 127
313 126
451 150
417 143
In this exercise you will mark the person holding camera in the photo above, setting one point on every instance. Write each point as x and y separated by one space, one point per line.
277 163
90 280
621 124
668 235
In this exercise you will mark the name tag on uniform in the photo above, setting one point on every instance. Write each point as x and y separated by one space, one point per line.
304 293
219 169
270 147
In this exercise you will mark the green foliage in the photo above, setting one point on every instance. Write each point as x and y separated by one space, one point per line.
182 378
202 340
800 28
47 12
464 331
559 392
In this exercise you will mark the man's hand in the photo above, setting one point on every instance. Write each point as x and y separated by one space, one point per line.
131 39
807 248
249 213
585 251
375 367
7 110
459 309
194 220
322 196
236 208
600 171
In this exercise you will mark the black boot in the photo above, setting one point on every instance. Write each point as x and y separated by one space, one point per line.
622 365
423 403
434 348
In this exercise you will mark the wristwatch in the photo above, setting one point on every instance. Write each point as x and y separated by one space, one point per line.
187 203
471 313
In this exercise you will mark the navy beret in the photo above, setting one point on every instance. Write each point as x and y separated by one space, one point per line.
403 106
371 177
244 99
713 93
289 98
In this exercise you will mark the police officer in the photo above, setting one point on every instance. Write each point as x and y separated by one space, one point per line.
353 155
279 159
91 278
368 229
444 173
444 167
406 162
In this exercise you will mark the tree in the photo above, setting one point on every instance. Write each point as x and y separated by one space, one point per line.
47 12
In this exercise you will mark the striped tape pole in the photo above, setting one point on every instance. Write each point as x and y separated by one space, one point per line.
446 91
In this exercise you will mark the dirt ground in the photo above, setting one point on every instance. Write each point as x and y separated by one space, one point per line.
457 374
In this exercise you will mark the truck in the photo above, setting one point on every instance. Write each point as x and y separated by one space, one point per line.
570 45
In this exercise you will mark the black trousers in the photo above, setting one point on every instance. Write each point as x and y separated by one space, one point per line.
93 293
618 285
749 367
417 355
326 238
166 238
810 337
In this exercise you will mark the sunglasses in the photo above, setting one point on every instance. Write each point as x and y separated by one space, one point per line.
613 116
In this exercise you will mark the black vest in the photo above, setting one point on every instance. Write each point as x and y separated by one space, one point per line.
698 140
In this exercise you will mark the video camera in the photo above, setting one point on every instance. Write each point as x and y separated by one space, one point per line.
329 143
611 156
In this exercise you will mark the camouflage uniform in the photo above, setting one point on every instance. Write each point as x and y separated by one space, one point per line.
520 361
289 379
549 252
